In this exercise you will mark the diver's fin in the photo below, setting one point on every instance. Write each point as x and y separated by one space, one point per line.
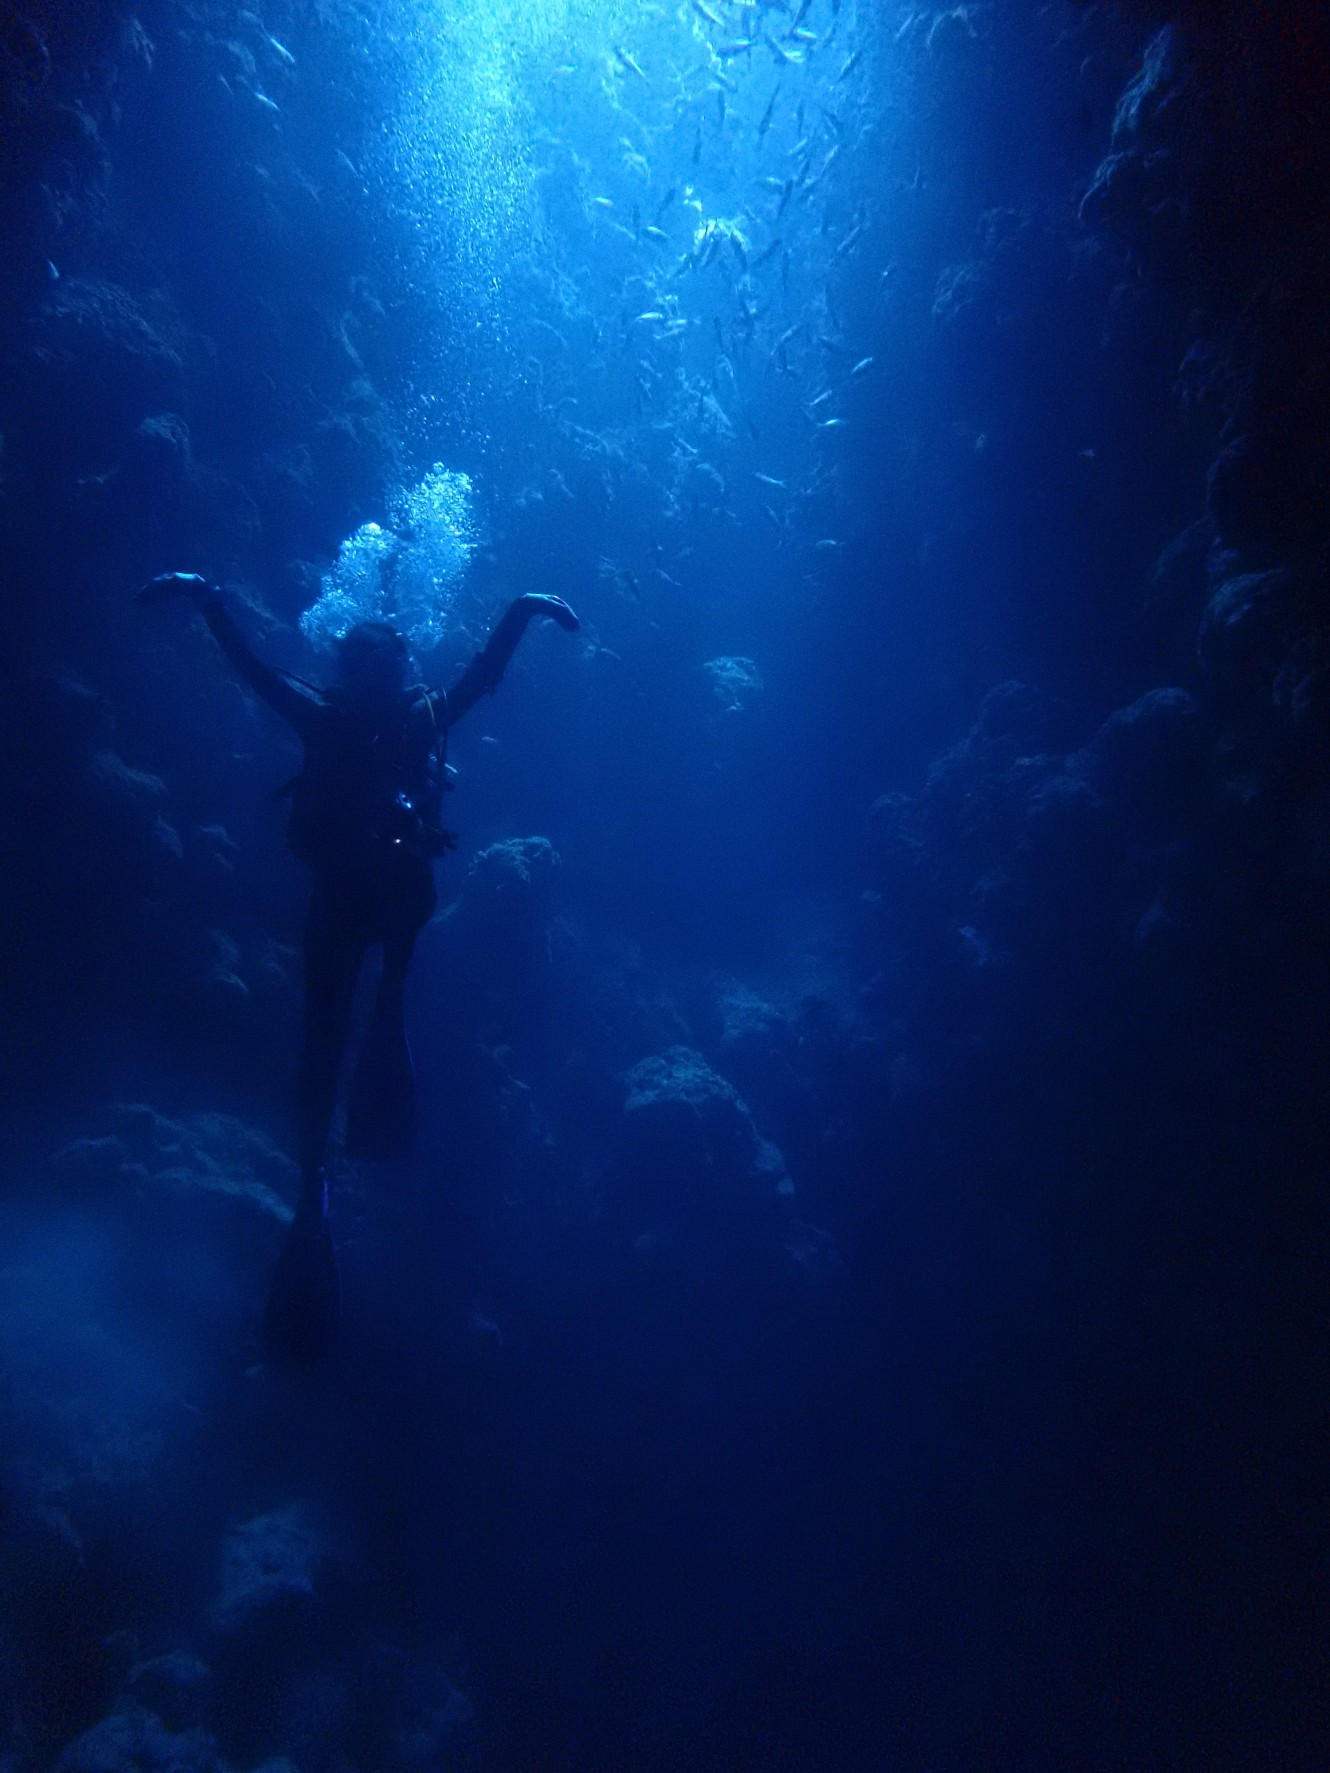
303 1312
381 1112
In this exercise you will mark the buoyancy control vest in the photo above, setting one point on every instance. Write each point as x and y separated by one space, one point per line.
371 788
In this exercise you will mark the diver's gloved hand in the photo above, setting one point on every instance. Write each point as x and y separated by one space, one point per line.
536 603
167 585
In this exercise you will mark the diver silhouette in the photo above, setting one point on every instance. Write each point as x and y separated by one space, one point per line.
365 819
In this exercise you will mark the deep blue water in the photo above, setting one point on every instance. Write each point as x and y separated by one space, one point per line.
859 1301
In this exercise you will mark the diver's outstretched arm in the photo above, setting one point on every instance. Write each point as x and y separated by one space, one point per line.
282 696
485 672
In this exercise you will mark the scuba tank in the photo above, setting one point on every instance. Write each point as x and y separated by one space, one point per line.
412 819
364 794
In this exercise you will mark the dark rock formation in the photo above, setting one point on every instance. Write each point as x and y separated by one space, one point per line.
213 1174
94 367
133 1740
692 1164
269 1574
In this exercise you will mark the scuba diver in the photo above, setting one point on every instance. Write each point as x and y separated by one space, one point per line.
365 819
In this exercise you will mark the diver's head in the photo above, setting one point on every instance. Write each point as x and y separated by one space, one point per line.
371 661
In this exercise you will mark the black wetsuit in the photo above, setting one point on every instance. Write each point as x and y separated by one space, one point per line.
373 867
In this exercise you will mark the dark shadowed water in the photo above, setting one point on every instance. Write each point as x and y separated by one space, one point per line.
859 1300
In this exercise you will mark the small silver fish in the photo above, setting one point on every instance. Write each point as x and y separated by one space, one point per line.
851 240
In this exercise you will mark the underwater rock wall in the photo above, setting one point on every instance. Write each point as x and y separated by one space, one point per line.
1109 946
1209 214
196 362
1213 199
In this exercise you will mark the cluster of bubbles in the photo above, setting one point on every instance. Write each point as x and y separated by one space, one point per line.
405 571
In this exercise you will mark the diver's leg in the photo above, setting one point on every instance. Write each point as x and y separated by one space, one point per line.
302 1314
381 1114
390 1003
335 943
